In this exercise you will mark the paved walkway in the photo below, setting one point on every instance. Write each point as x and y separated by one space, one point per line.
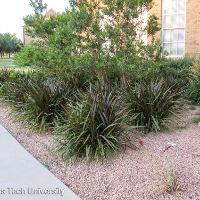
22 177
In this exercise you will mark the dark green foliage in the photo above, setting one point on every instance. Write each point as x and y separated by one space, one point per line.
76 38
14 88
95 127
4 75
38 99
25 57
38 6
176 70
9 44
153 25
80 60
44 102
4 78
196 118
153 103
193 92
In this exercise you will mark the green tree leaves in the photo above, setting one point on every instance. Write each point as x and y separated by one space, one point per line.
94 33
38 6
9 43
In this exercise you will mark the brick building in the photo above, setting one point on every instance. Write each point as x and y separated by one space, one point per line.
180 26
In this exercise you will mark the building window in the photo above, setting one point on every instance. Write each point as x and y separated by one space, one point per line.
173 27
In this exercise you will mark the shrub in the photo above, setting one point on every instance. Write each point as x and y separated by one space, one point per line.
153 103
38 98
45 100
193 92
15 86
196 118
78 79
24 58
4 76
176 70
172 180
95 127
196 68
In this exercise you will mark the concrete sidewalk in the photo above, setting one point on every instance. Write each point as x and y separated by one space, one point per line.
22 177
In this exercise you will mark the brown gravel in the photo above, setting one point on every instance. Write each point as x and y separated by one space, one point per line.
134 175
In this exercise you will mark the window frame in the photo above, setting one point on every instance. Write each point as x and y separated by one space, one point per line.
174 28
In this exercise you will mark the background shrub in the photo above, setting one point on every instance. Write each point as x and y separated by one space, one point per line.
193 92
25 57
176 71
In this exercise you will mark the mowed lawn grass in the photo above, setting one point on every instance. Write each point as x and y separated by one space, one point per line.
6 62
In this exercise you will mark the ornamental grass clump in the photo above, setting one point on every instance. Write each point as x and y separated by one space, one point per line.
4 75
152 104
44 103
96 126
14 88
38 99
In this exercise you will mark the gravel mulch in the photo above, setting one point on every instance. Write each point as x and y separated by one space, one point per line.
133 175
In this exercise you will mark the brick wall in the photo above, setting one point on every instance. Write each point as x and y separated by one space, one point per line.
192 31
192 41
157 10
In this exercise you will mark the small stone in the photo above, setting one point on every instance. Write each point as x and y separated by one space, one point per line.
171 144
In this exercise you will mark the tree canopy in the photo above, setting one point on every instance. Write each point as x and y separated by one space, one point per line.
38 6
94 33
9 44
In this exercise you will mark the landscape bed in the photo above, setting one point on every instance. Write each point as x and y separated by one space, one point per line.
107 113
141 174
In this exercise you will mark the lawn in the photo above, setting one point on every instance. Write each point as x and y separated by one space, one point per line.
6 62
